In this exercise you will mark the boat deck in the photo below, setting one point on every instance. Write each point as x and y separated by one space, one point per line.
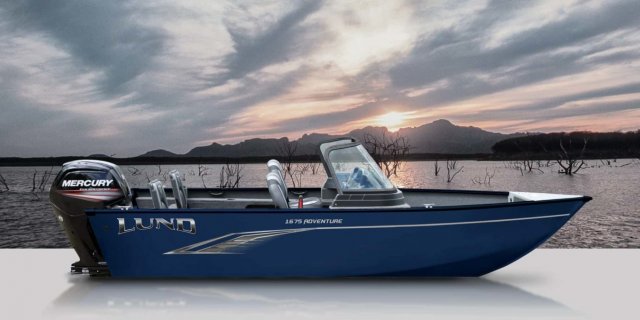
259 197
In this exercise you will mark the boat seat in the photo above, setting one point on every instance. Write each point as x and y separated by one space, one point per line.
179 190
274 166
276 191
280 196
158 196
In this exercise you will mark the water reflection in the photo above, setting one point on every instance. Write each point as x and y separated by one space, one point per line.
304 298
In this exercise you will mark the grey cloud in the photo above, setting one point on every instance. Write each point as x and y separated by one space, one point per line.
262 91
32 129
546 109
467 81
284 40
591 109
105 37
102 35
204 118
567 106
108 38
434 58
468 85
537 119
477 74
615 57
536 68
591 94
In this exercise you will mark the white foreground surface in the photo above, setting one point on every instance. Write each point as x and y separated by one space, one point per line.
546 284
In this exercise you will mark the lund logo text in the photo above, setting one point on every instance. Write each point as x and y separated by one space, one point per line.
186 225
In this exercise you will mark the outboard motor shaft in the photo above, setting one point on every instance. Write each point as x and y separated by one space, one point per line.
87 184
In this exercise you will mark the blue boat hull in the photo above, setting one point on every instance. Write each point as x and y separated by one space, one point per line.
455 241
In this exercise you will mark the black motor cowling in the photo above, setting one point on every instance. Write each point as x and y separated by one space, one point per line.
87 184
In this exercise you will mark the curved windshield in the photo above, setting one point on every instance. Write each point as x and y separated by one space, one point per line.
355 169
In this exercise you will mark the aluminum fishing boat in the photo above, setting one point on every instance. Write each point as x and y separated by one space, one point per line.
358 224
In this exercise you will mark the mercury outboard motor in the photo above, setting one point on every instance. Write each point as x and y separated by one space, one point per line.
87 184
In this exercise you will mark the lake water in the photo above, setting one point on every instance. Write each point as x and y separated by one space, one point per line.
611 220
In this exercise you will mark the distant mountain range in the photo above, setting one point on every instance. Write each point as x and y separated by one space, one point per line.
440 136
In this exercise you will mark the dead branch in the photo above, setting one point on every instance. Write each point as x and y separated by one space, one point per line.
299 172
146 175
202 172
543 164
287 150
487 177
39 181
451 170
525 166
3 181
388 151
231 175
315 167
44 179
530 166
517 165
568 160
33 181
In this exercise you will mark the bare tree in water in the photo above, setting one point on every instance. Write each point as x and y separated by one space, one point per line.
287 151
315 167
298 173
230 175
487 177
202 172
3 181
530 166
452 170
134 171
525 166
388 150
39 181
569 161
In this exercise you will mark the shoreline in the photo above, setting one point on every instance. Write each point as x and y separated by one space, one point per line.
58 161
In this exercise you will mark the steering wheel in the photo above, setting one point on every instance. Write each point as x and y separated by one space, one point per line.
352 177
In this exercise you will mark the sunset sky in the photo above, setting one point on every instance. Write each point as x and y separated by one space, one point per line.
125 77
